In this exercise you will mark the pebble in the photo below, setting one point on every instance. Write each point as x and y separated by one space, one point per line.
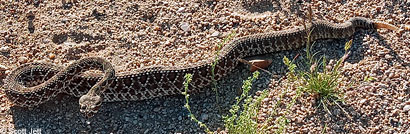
5 49
185 26
387 56
181 9
23 59
215 34
157 109
135 122
147 131
52 56
2 109
3 68
179 117
258 93
406 108
127 119
204 117
265 100
46 40
407 27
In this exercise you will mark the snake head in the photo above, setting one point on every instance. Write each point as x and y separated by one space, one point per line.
89 104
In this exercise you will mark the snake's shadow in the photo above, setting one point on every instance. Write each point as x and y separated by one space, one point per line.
167 114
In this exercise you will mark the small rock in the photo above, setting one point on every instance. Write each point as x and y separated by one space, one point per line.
258 93
324 49
127 119
204 117
135 122
299 119
4 49
3 68
179 117
147 131
167 43
3 110
52 56
181 9
22 59
406 108
185 26
265 100
157 28
45 41
157 109
362 101
387 56
215 34
407 27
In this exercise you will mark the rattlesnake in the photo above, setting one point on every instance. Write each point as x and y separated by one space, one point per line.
35 83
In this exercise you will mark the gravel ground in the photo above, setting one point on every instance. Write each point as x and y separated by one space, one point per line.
136 34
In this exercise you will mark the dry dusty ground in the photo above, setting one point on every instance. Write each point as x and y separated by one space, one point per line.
132 35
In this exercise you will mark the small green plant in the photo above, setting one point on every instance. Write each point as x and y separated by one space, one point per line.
238 122
188 78
324 129
244 122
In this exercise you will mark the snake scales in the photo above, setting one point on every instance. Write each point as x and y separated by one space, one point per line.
35 83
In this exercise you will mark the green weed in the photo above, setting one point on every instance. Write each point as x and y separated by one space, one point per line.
188 78
244 122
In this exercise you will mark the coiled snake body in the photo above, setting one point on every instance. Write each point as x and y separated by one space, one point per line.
153 82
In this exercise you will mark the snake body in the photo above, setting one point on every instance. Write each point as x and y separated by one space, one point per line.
35 83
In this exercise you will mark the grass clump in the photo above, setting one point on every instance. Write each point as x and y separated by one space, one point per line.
321 80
